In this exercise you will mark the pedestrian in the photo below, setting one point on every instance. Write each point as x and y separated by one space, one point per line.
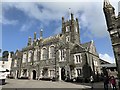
106 82
110 82
113 82
92 81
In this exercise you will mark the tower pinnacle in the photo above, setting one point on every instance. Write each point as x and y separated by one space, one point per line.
69 13
41 33
107 3
34 35
109 12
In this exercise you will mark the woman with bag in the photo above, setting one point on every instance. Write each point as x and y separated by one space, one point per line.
113 82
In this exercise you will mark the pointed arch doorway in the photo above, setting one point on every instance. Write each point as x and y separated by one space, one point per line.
34 74
62 73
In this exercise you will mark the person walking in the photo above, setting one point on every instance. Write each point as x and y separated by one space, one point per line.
92 81
113 82
106 82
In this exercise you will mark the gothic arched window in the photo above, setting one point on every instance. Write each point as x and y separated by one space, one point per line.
67 39
29 56
51 51
15 63
67 29
62 54
44 54
24 57
35 55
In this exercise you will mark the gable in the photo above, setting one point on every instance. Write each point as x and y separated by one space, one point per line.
77 49
93 49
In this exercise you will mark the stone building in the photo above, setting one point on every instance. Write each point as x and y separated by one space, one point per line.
59 56
113 25
108 68
6 60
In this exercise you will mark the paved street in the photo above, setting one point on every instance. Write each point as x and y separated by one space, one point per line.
20 83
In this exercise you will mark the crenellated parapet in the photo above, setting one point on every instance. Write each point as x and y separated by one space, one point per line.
70 28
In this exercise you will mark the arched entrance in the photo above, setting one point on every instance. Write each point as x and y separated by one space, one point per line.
62 74
34 74
17 74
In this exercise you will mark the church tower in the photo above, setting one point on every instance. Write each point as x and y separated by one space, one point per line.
109 12
70 29
113 25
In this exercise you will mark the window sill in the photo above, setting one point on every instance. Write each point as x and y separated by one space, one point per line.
63 61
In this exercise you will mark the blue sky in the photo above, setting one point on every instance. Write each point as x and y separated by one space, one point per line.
21 19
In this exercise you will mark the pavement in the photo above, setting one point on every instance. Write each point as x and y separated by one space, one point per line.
22 84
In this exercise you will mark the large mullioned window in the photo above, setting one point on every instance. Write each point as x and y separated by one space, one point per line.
24 57
51 52
35 55
62 54
79 72
29 56
15 63
44 54
78 58
67 28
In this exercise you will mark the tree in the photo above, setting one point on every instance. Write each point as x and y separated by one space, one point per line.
5 54
87 71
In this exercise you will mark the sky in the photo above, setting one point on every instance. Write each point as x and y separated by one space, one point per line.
20 19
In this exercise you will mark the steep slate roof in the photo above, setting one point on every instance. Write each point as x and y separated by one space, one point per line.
77 48
104 62
108 65
51 38
86 45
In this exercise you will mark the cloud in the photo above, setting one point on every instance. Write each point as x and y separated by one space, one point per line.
107 58
4 20
53 0
58 30
119 6
90 14
26 26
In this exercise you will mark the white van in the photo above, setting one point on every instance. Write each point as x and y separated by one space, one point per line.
2 75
